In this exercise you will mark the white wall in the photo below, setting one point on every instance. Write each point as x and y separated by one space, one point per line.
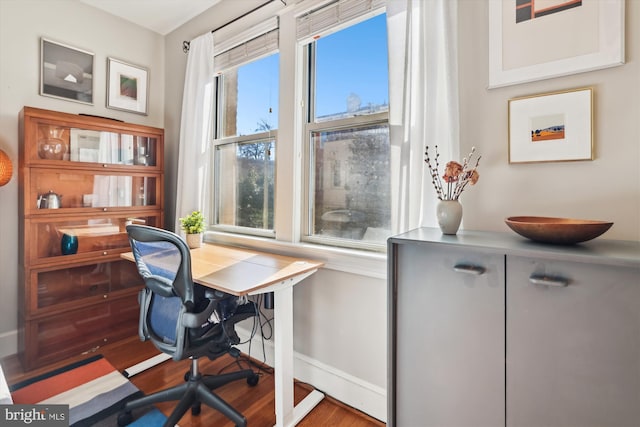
607 188
22 23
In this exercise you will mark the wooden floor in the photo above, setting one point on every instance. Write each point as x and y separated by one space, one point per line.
255 403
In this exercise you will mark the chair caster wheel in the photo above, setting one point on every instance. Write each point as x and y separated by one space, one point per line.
195 409
124 418
253 380
187 375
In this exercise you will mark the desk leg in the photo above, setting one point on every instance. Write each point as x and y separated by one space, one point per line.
286 414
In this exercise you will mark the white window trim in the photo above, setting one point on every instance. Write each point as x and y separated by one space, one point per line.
260 136
309 125
356 120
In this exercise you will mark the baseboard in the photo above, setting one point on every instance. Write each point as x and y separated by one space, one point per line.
355 392
8 343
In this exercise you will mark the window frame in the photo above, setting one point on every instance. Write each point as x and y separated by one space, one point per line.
217 140
309 125
291 170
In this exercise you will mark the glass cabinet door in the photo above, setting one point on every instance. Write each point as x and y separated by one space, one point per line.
56 142
77 282
81 237
81 330
55 189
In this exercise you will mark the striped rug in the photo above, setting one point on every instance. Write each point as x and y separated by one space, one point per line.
93 389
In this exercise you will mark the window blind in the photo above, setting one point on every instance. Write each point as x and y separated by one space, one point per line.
320 21
252 44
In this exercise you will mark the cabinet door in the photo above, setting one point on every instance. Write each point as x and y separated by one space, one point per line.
56 288
60 238
69 191
449 360
573 352
63 143
79 331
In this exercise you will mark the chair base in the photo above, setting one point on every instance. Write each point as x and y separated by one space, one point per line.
196 390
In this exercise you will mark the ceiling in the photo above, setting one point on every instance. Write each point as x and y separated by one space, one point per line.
161 16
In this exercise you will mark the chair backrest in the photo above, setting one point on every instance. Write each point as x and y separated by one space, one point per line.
170 304
163 260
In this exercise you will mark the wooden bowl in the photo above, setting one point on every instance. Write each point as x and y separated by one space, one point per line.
561 231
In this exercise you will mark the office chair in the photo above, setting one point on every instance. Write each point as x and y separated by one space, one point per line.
176 316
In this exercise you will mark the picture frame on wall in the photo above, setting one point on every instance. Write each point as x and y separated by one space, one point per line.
551 127
559 38
66 72
127 86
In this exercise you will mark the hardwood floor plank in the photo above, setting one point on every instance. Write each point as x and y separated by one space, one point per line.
255 403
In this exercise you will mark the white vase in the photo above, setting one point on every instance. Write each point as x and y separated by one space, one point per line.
449 213
194 240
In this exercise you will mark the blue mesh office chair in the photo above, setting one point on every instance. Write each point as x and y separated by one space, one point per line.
175 315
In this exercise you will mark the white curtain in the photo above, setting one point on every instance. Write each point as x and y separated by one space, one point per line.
195 129
423 100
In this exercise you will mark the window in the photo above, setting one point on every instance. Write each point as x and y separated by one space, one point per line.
245 136
338 192
347 136
248 98
246 176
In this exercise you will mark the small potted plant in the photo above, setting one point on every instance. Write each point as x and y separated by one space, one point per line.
193 225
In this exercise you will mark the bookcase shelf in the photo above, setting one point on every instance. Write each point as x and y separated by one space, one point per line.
82 180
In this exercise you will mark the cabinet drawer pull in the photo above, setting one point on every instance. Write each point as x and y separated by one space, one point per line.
537 279
105 253
476 270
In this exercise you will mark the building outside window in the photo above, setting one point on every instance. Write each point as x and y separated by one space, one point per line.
347 136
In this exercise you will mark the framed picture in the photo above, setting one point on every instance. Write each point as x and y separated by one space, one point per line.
551 127
127 87
66 72
535 40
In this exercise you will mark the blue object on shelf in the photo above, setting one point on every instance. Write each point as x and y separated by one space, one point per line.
69 244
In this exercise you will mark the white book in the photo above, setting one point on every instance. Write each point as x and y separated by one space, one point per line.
126 149
124 190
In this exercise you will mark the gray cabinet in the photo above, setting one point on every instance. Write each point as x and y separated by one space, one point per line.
489 329
450 325
573 345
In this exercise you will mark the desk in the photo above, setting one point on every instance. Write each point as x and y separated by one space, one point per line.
247 272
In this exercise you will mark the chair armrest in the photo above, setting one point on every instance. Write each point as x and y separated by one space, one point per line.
195 320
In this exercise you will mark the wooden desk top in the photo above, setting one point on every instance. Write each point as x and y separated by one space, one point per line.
242 271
